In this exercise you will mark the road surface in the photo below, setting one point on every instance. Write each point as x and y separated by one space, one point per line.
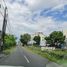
22 57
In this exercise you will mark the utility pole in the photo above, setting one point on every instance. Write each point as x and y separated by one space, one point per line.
4 28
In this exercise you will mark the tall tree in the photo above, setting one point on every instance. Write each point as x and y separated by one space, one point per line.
25 38
56 38
37 40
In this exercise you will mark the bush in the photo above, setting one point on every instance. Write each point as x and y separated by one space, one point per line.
9 41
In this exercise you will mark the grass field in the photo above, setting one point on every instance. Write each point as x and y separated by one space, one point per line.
58 56
8 51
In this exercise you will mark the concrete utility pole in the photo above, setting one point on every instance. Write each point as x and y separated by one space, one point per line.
4 27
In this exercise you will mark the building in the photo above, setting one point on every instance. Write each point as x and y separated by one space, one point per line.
65 33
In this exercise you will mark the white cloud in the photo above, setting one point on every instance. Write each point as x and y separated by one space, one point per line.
64 25
20 17
45 25
39 4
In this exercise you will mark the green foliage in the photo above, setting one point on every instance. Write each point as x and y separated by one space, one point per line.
56 38
25 38
53 55
48 40
37 40
9 41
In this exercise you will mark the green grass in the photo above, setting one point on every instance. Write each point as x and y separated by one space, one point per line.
53 55
8 51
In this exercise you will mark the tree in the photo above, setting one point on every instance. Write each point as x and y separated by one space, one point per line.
56 38
48 40
10 41
25 38
37 40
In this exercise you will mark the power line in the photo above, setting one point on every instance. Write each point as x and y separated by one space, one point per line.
1 6
9 25
4 26
8 22
5 3
9 28
1 13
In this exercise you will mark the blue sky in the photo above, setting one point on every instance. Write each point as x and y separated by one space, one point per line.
30 16
57 14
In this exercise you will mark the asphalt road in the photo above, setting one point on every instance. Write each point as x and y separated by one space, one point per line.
22 57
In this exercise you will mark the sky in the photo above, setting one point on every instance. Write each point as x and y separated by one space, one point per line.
30 16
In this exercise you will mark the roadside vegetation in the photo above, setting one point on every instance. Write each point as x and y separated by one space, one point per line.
8 50
25 38
55 39
59 56
9 43
37 40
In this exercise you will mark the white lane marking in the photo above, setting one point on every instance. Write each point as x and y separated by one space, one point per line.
27 59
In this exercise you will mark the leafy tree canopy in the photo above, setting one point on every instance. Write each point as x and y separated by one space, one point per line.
10 41
37 40
56 38
25 38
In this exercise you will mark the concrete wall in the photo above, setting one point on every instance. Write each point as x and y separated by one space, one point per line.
66 43
47 48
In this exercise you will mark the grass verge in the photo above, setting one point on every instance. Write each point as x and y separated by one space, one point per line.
53 55
8 51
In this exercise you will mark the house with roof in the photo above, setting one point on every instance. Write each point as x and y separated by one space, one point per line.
65 33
